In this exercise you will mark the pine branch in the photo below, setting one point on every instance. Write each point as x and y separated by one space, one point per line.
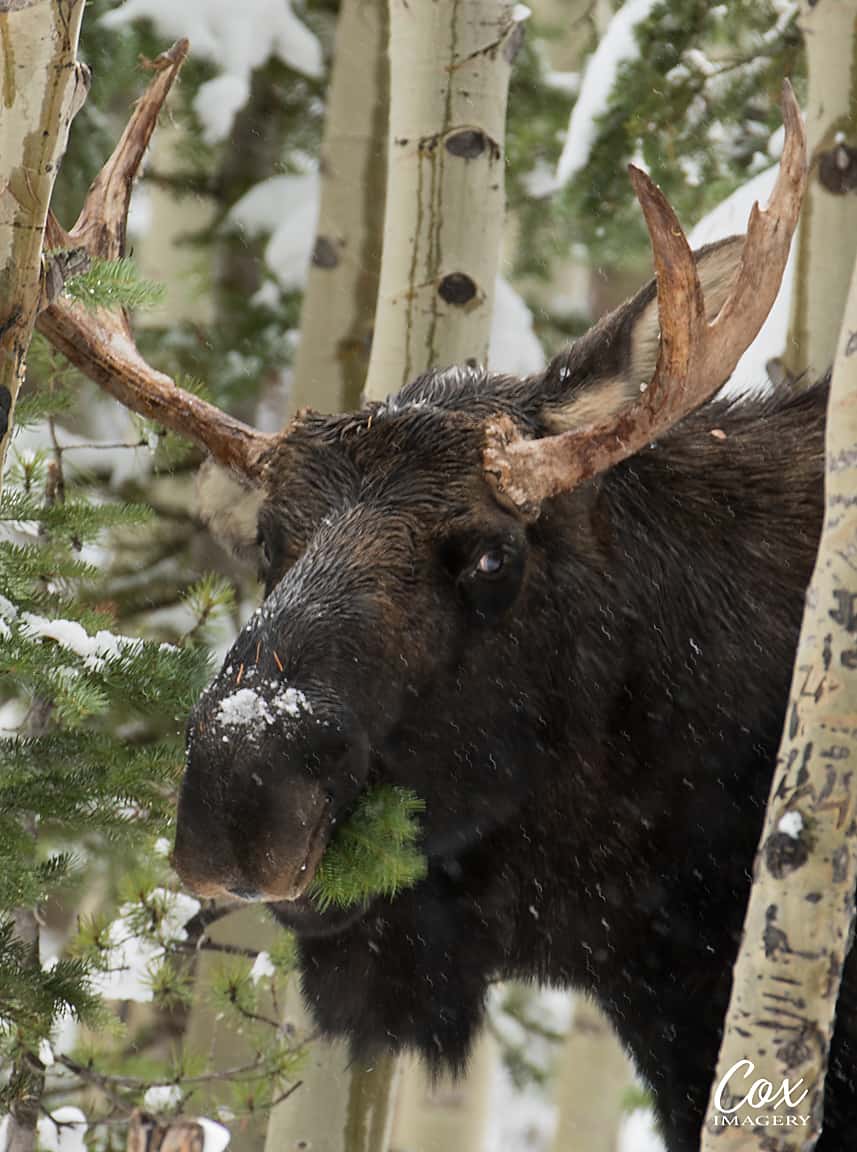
374 853
113 284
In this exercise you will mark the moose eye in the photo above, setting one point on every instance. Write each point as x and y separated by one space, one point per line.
489 579
491 563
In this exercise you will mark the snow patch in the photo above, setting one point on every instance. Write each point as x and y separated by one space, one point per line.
617 46
242 708
238 38
46 1053
263 967
162 1097
791 825
63 1131
95 650
215 1136
514 346
218 101
292 701
286 209
131 959
639 1134
246 707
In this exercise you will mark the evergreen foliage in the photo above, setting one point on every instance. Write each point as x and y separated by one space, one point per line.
697 106
113 284
374 852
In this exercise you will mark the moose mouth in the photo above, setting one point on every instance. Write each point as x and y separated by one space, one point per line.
291 882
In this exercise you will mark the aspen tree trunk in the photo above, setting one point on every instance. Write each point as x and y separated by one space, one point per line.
42 87
447 1114
449 76
827 237
449 79
800 916
343 1106
342 287
593 1075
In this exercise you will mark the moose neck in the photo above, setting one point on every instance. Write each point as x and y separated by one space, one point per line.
711 543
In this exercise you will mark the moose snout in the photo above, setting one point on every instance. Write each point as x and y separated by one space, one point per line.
258 802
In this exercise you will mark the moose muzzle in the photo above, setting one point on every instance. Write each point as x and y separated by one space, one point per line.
264 785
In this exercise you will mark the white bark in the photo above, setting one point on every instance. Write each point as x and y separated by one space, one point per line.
42 87
446 1114
342 287
449 75
592 1077
342 1105
800 915
827 239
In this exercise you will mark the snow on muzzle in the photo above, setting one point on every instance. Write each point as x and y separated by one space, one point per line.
267 774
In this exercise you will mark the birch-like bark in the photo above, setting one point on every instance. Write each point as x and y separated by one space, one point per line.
342 287
449 76
42 87
593 1076
449 80
827 237
343 1105
438 1115
800 916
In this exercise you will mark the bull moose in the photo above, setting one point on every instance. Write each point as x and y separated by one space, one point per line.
563 611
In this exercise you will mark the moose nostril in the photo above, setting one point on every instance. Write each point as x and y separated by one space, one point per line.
244 893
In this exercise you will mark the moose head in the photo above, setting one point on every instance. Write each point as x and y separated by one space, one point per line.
423 557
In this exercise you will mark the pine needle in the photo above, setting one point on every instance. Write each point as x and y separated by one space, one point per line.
374 853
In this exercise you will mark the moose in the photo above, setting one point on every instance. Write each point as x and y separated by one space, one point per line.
563 611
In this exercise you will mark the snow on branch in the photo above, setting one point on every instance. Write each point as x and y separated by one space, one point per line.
617 46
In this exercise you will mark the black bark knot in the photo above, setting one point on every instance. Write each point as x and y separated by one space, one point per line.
457 288
837 169
467 143
324 253
785 853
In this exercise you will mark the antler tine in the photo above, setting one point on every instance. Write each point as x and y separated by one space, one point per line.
766 248
694 358
681 308
100 343
102 223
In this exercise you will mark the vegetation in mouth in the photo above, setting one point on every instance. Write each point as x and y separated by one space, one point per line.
374 852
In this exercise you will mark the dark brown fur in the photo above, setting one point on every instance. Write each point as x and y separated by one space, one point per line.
593 731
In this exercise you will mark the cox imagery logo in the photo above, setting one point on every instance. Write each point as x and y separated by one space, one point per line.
763 1105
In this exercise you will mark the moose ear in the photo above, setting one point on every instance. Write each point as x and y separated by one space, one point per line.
229 507
602 372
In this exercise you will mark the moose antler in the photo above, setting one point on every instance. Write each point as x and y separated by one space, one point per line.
100 342
695 357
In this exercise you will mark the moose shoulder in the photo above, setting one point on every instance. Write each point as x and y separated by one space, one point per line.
583 680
